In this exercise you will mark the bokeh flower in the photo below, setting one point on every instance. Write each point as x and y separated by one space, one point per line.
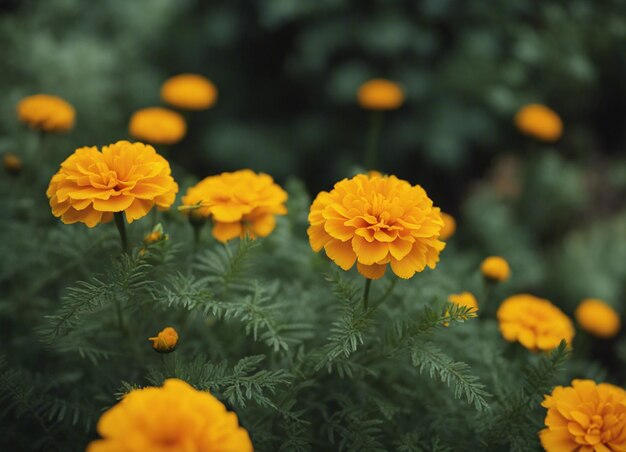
449 226
466 299
12 163
585 417
540 122
165 341
174 417
238 203
534 322
46 113
495 268
157 125
597 318
189 92
380 94
125 177
375 222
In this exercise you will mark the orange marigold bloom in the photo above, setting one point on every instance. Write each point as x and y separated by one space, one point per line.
380 94
238 203
375 222
157 125
166 341
449 226
125 177
495 268
534 322
540 122
464 299
174 417
47 113
12 163
189 92
585 417
597 318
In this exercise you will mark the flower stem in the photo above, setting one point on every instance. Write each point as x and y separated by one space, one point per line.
366 292
121 227
376 127
120 316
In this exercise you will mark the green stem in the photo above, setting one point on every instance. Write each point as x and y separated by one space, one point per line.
120 317
366 292
376 127
121 227
387 292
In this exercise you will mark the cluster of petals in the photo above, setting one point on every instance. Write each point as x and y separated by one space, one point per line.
174 417
189 92
46 112
540 122
165 341
239 203
598 318
380 94
157 125
585 417
125 177
495 268
376 221
534 322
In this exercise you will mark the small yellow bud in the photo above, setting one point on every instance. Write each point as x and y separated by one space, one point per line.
495 268
12 163
449 226
165 341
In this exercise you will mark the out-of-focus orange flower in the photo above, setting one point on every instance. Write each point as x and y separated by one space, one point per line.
46 112
597 318
189 92
380 94
495 268
449 226
540 122
12 163
157 125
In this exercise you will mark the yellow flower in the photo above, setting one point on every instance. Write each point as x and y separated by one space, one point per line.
585 417
464 299
598 318
238 203
157 125
166 341
125 177
449 226
153 237
189 92
174 417
495 268
534 322
539 122
380 94
375 222
47 113
12 163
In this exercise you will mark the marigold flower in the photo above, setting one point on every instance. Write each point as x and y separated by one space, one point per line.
238 203
47 113
464 299
172 417
166 341
375 222
380 94
155 236
534 322
540 122
189 92
449 226
125 177
585 417
495 268
12 163
598 318
157 125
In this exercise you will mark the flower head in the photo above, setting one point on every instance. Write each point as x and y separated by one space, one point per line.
598 318
125 177
189 92
585 417
238 203
166 341
12 163
157 125
380 94
466 299
375 222
449 226
534 322
47 113
495 268
174 417
540 122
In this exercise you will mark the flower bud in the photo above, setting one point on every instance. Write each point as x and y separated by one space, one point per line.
12 163
165 341
495 269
